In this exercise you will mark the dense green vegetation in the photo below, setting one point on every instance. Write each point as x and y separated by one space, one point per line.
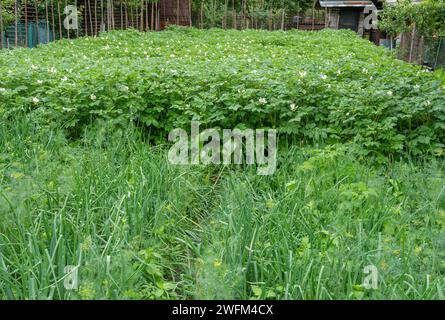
328 86
83 183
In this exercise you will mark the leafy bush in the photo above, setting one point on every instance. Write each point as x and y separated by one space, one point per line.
328 85
427 17
7 11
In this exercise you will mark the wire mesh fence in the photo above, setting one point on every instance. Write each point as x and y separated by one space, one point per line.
435 52
428 51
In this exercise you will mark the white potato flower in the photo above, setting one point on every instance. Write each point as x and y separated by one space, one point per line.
262 101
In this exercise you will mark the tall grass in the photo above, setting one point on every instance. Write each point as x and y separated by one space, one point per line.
308 231
115 209
139 228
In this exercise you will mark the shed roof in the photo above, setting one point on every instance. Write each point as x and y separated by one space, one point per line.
344 3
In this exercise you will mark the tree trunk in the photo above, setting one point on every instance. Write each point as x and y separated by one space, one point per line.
126 14
25 5
95 17
60 20
298 14
233 15
108 15
283 14
16 32
313 17
101 15
244 14
122 16
132 15
67 29
142 15
190 13
147 24
85 18
177 12
113 22
158 17
53 20
77 29
202 15
438 52
226 4
413 34
152 16
47 21
137 17
1 26
37 21
90 17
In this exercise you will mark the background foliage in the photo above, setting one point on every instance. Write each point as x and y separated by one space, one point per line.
427 16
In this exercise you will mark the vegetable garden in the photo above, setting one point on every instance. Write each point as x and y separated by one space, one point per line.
85 179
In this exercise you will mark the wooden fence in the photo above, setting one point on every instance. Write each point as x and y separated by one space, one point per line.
41 21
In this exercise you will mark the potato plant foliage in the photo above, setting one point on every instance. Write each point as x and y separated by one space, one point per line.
326 86
81 187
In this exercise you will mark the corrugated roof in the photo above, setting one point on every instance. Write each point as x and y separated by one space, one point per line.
344 3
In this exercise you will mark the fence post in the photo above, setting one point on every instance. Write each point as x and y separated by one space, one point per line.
16 32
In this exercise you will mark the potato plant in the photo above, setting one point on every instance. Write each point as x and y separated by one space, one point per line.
326 86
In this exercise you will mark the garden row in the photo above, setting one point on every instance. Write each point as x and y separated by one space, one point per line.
326 86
